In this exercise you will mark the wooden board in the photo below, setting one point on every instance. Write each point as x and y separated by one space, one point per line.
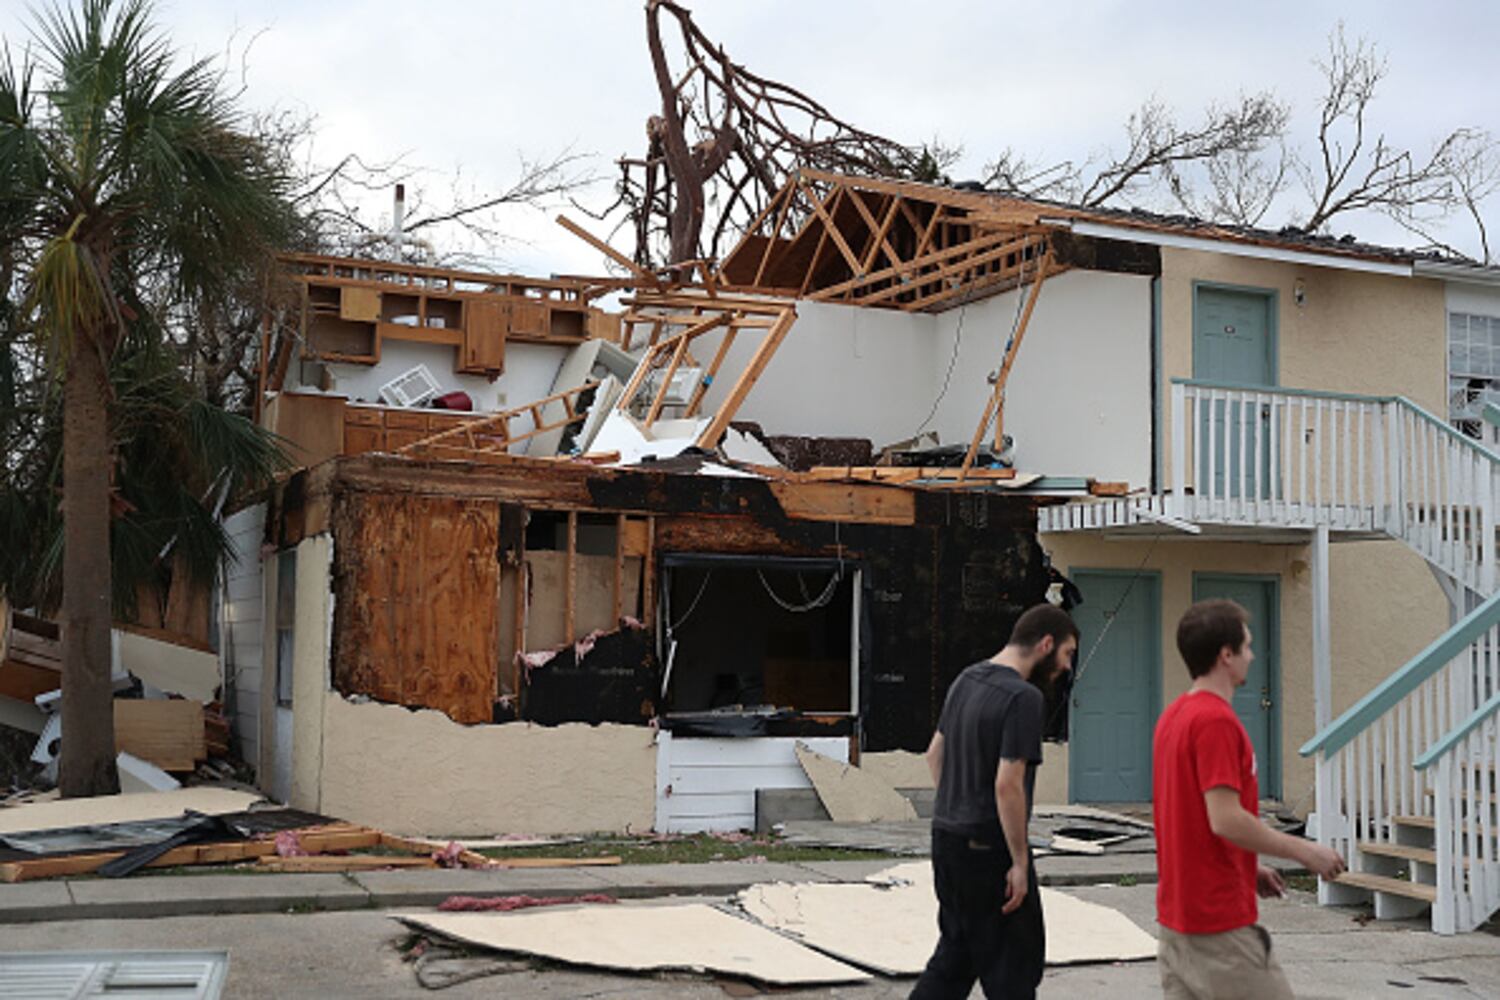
168 733
359 304
341 863
416 620
100 809
24 681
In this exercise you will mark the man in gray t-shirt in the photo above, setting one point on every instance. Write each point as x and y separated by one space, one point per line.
983 760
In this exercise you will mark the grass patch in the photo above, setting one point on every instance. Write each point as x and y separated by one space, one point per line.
1302 883
688 849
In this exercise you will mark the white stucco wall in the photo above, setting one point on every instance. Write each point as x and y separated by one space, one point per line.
242 626
1078 400
840 372
529 371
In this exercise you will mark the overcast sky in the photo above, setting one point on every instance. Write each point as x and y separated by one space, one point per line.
472 85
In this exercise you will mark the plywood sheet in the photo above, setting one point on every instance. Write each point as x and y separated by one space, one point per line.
851 795
416 618
168 733
644 939
895 930
101 809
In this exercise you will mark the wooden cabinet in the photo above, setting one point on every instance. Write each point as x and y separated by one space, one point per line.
486 322
361 305
387 429
528 318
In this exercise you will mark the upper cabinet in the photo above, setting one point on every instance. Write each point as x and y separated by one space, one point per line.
350 306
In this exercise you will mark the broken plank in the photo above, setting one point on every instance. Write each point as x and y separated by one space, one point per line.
867 504
473 859
166 732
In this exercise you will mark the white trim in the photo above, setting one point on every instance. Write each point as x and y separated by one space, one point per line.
1456 272
1176 241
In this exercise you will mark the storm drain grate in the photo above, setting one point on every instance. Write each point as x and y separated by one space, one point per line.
126 975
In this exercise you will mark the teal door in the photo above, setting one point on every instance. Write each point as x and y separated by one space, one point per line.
1233 341
1116 698
1257 703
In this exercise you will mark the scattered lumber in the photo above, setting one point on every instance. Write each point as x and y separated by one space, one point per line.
341 863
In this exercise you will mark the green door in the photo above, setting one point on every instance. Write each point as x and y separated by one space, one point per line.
1233 341
1257 703
1115 698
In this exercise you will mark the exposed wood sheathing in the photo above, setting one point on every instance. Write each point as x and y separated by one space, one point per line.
418 772
417 616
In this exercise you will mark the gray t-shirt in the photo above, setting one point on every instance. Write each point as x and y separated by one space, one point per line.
991 713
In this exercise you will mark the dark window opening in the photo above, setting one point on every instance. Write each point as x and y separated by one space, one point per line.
741 634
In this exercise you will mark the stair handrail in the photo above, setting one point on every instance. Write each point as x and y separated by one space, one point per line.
1458 733
1396 687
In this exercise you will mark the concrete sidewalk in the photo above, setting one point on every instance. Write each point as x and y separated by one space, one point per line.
217 892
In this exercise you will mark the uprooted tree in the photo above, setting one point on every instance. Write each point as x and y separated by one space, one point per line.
725 142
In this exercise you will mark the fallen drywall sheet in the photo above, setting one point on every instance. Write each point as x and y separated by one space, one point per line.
1089 812
644 939
665 439
897 768
896 929
168 666
851 795
138 775
419 772
101 809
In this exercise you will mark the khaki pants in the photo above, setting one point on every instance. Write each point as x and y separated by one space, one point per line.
1229 966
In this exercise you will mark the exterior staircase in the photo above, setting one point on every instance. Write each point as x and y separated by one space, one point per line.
1407 777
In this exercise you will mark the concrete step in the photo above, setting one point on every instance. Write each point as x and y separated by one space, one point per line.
1391 886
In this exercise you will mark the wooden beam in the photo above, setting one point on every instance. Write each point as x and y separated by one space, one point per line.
709 439
881 241
912 268
469 428
648 575
523 584
677 342
788 193
570 610
666 381
619 587
609 251
877 232
846 502
982 252
998 394
713 370
832 228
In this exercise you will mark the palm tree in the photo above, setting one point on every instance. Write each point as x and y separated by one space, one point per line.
122 177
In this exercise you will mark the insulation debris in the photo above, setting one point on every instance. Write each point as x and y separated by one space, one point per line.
505 904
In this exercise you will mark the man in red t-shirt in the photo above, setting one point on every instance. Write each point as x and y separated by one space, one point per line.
1208 831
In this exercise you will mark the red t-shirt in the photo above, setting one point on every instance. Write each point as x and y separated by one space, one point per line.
1206 884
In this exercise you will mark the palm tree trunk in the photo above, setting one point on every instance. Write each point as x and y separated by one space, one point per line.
88 745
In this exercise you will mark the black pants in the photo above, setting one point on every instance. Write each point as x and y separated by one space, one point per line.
1005 952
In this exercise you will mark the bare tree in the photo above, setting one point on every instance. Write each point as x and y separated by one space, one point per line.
1159 153
1353 172
726 140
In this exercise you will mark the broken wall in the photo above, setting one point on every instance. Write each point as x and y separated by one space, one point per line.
418 772
529 371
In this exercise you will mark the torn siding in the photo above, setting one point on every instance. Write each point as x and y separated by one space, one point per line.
418 772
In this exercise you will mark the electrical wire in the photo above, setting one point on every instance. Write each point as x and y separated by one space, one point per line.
673 627
815 603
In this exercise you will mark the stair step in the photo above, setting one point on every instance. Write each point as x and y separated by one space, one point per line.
1404 852
1393 886
1425 822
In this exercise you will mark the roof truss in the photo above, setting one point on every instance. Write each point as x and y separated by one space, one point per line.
888 244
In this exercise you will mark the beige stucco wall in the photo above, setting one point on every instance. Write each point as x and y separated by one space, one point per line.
1354 332
418 772
1384 608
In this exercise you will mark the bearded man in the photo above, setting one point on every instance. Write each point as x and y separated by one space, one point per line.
983 760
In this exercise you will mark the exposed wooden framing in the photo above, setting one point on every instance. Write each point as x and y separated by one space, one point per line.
979 260
666 379
495 429
648 575
715 430
713 371
880 241
677 343
609 251
619 584
570 600
877 232
823 233
912 267
523 584
997 396
824 212
788 196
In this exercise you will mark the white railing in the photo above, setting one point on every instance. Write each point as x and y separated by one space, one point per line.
1299 459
